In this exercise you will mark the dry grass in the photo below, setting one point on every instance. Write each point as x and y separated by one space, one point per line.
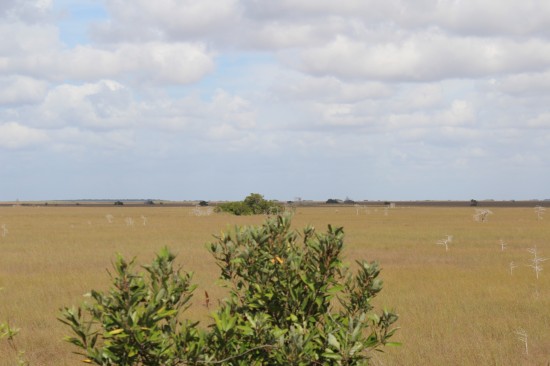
459 307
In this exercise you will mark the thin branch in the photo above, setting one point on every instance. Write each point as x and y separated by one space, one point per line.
264 346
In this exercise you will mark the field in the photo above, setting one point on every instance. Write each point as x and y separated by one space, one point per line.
457 307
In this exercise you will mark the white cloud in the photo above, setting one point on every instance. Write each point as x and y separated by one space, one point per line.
479 18
86 114
281 35
460 113
526 159
164 63
460 135
20 90
234 110
424 57
424 96
102 105
166 19
402 108
330 89
26 10
540 121
35 50
300 9
153 63
339 115
485 18
525 84
26 40
15 136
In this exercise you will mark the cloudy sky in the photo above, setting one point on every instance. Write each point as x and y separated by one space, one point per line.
215 99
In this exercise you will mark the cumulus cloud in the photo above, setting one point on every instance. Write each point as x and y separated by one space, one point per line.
108 113
330 89
163 63
424 57
26 40
469 18
101 105
166 19
26 10
15 136
524 84
34 49
376 40
233 109
154 63
21 90
456 118
487 18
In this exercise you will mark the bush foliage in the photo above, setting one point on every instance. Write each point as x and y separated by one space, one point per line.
291 301
253 204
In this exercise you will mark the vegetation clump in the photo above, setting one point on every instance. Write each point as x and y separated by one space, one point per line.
291 301
253 204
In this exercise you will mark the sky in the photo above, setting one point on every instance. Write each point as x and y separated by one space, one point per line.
316 99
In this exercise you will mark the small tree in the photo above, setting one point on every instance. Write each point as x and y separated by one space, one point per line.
349 201
253 204
291 301
284 288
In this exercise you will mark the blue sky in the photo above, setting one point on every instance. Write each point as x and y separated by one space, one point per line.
215 99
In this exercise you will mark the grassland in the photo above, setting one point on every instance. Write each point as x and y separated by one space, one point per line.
459 307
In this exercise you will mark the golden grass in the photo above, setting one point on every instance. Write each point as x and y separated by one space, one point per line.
459 307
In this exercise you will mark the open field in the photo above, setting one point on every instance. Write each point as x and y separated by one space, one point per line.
457 307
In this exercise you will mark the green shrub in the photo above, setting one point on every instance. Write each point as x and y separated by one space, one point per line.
236 208
138 321
291 302
253 204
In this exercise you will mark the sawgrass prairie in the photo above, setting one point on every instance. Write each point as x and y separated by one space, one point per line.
457 307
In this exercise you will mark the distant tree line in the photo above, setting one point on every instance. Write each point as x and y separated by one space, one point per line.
347 201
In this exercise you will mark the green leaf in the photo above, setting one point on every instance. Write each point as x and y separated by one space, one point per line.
331 355
393 344
332 341
115 332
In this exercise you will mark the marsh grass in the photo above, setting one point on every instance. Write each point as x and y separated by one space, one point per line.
459 307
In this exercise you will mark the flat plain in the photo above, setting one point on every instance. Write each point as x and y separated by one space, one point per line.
461 306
